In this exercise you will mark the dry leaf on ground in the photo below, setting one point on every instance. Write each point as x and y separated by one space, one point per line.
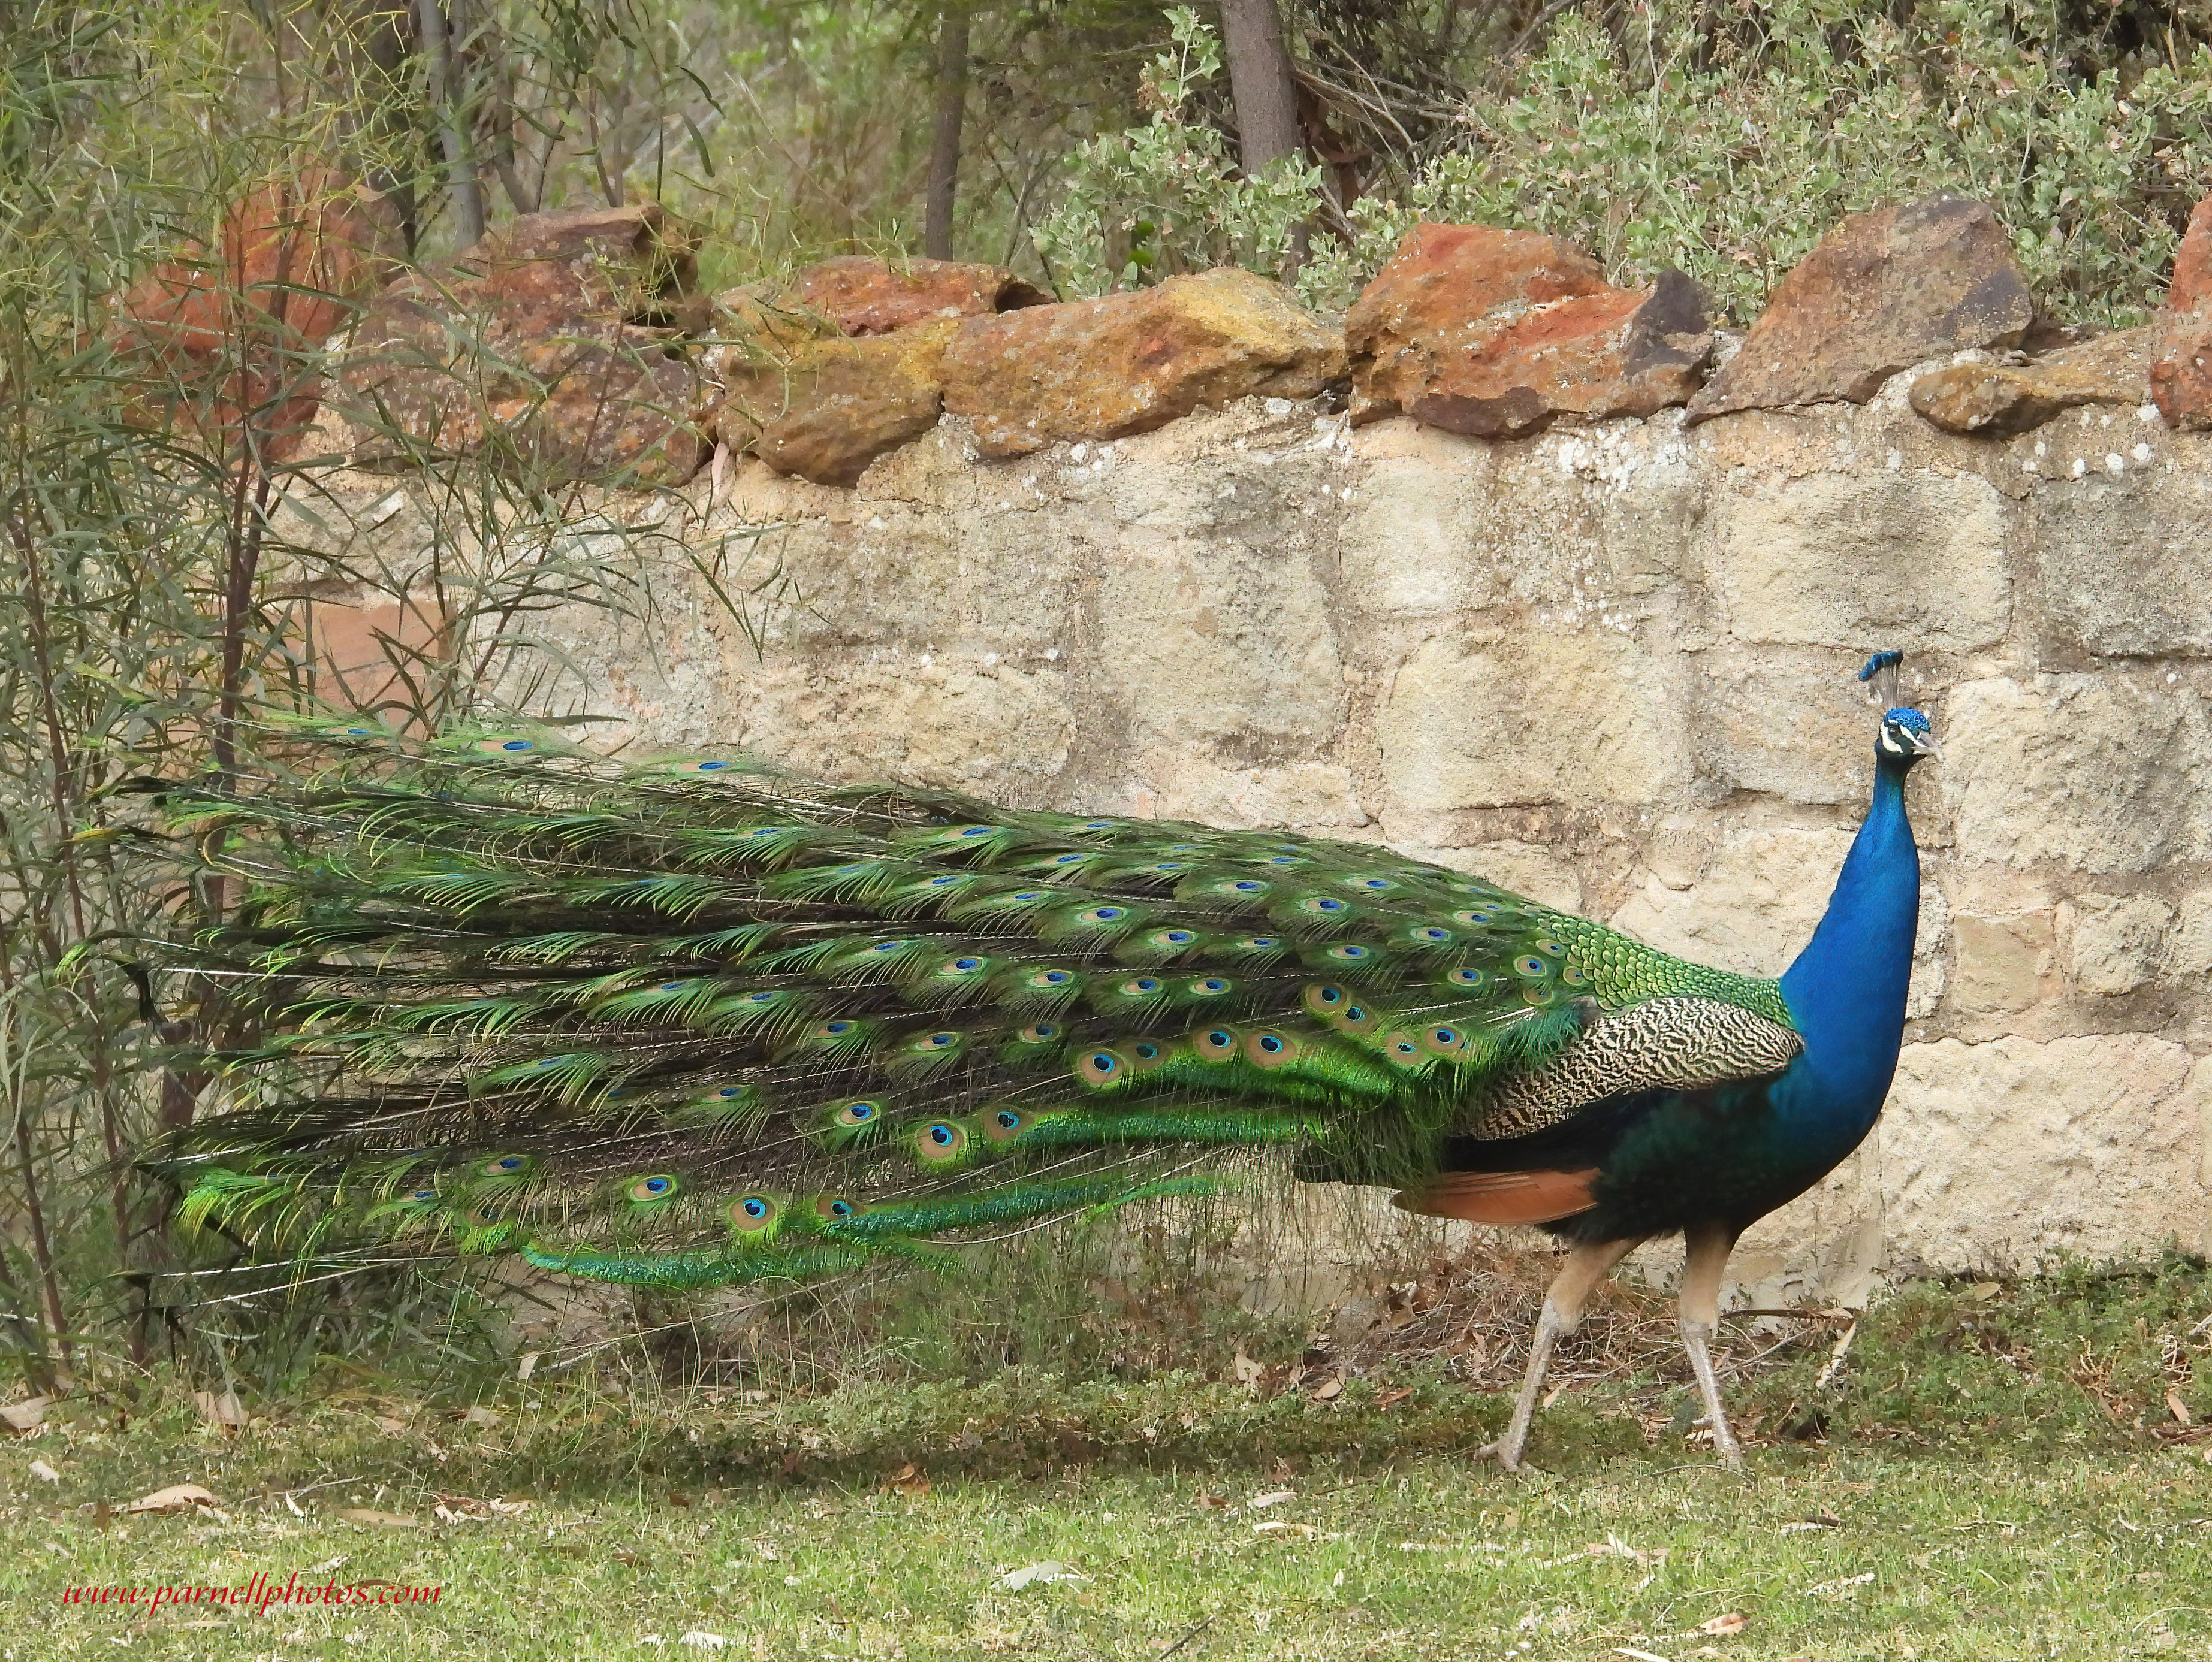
177 1497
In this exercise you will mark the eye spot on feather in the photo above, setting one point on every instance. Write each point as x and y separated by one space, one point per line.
423 1198
1260 943
1464 977
1145 1056
1403 1051
1270 1049
1573 976
1068 860
1211 987
1039 1033
1537 997
1350 952
966 831
1530 964
514 745
936 1041
1214 1044
960 966
1372 885
1325 998
761 1000
658 1186
940 1141
861 1111
674 987
883 948
1100 825
713 766
1476 917
1003 1126
1428 935
834 1029
1322 906
1174 938
480 1217
1282 860
750 1214
1102 914
833 1207
1443 1040
1141 987
1246 886
1100 1067
732 1093
1550 948
506 1166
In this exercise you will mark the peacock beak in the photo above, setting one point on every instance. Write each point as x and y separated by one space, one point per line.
1926 745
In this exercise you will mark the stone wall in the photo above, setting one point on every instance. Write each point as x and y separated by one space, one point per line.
1609 666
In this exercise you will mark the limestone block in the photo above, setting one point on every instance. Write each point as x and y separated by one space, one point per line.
1314 795
2101 773
891 575
1826 1244
1840 559
1993 1154
994 730
1762 890
1226 645
2189 952
1536 874
1791 725
1485 718
1413 540
2004 963
2122 563
2115 942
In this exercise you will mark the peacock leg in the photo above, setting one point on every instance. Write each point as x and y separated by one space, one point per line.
1705 1251
1586 1266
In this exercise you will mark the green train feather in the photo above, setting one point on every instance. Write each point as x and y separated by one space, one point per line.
691 1021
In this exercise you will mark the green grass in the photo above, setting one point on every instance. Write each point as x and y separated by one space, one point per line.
1996 1472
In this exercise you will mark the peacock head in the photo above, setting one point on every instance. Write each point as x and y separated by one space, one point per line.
1905 736
1904 739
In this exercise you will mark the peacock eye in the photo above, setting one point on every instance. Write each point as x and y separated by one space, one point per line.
1210 984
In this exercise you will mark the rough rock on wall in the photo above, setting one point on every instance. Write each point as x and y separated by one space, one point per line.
1610 666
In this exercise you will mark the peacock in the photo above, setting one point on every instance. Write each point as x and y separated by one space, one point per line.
693 1021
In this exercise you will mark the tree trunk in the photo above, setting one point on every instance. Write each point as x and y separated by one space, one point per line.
1260 81
453 118
944 139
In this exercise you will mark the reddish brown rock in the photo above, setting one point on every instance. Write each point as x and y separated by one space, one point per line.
2181 346
240 326
1494 333
832 406
560 346
1128 363
2001 398
865 296
1884 291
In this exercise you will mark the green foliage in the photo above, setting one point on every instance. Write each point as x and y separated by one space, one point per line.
1165 198
1728 153
1731 159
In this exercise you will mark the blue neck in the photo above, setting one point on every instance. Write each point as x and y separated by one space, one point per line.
1847 989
